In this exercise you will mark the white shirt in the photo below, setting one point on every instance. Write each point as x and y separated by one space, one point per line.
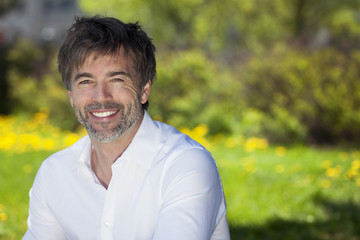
164 186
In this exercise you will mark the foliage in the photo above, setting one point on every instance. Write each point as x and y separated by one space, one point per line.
34 83
284 70
191 89
306 95
271 191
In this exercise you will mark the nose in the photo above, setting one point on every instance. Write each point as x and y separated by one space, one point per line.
101 93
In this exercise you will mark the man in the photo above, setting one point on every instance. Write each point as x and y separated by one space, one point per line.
131 177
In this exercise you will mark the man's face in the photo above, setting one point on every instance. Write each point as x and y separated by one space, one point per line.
106 97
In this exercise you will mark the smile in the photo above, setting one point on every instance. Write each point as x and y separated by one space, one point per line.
103 114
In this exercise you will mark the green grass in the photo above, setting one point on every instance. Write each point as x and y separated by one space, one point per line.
285 197
268 196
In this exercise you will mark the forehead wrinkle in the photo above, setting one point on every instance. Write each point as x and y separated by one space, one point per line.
122 55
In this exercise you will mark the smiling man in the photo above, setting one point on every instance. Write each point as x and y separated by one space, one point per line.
131 177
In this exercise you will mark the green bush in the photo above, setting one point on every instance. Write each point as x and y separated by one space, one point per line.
311 96
286 95
35 84
191 89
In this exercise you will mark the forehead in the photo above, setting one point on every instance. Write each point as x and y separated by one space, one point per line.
121 59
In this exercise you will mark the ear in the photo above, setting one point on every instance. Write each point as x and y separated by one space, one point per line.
70 98
146 92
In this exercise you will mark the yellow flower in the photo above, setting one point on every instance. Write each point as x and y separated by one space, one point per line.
325 183
48 144
8 141
355 164
70 139
254 143
41 117
358 182
333 172
201 130
280 151
3 216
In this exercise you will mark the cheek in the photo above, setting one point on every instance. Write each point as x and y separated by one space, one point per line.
77 99
133 91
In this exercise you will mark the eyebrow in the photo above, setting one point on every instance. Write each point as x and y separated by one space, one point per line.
109 74
82 75
115 73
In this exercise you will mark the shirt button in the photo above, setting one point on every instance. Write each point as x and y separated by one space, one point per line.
107 224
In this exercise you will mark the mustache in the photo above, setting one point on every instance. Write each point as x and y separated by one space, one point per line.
102 106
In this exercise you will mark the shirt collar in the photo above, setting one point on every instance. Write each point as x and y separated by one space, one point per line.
145 144
142 150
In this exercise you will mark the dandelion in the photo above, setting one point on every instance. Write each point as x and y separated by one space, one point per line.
253 143
201 130
8 140
325 183
35 134
350 174
280 151
3 216
353 171
355 164
280 168
41 117
70 139
48 144
333 172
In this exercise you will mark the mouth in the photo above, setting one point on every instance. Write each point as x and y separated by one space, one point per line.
103 114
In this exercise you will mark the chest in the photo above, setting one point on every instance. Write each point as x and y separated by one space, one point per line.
128 209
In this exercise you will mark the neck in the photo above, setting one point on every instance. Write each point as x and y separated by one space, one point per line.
105 154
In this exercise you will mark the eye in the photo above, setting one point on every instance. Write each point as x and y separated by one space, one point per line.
117 80
84 82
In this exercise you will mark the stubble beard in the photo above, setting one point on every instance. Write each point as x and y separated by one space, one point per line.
104 133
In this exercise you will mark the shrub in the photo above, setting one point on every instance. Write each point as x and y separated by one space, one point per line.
310 96
191 89
34 84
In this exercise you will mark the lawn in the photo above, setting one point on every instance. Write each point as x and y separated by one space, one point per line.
272 192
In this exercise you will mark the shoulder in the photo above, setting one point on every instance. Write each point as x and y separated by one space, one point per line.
175 142
183 155
67 157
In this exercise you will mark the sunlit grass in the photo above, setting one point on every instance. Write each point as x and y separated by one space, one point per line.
272 192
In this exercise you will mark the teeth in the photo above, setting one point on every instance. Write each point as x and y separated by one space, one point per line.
103 114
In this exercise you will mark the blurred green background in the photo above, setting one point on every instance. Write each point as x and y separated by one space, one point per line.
270 87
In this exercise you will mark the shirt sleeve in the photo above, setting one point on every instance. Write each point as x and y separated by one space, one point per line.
193 204
41 223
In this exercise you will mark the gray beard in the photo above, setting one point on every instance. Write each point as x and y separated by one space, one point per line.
129 115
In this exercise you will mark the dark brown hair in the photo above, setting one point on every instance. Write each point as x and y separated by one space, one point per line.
104 36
